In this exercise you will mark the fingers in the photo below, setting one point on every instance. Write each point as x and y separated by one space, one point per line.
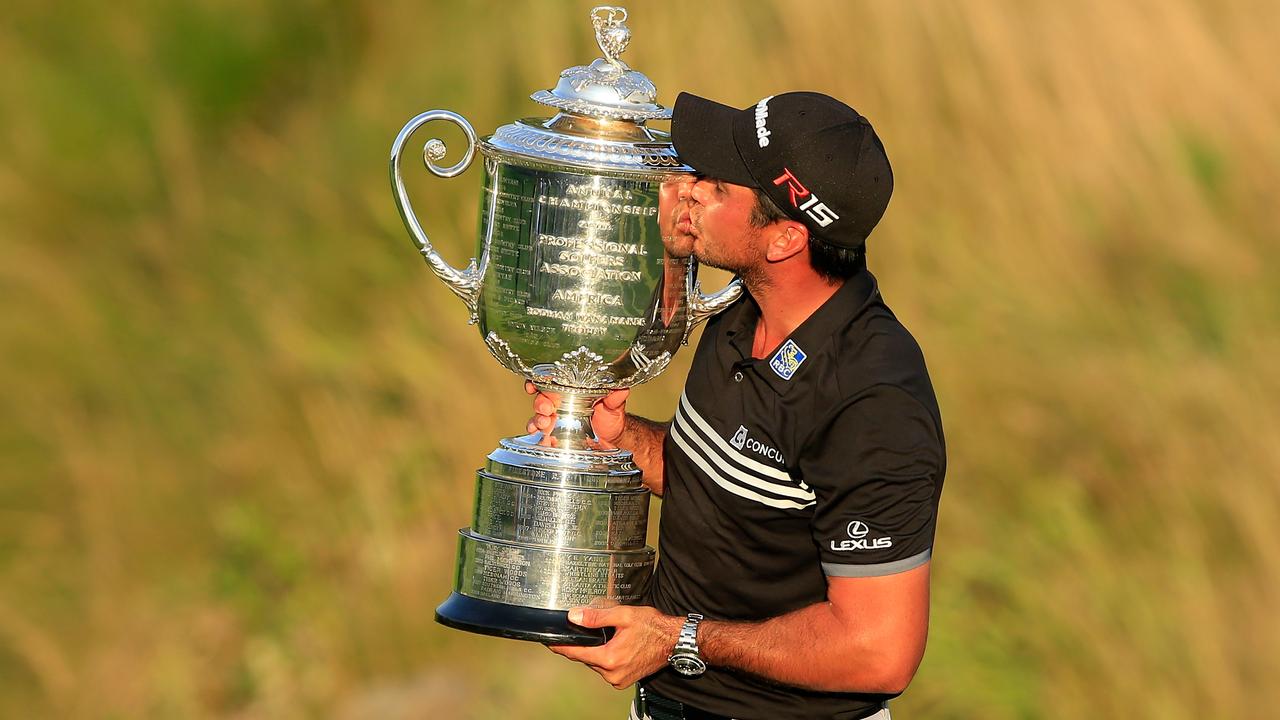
540 423
573 652
544 405
598 659
619 680
544 425
598 617
608 418
552 399
616 399
637 649
544 418
613 666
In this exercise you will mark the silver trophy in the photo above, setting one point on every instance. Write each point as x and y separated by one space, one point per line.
582 287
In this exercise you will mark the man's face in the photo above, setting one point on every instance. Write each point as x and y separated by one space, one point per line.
720 219
673 216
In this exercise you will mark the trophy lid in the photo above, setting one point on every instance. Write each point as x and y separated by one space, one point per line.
601 126
607 88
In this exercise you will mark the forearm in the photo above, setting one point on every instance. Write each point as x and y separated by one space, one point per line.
644 438
817 647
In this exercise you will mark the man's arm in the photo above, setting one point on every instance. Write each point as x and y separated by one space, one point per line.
614 427
869 636
644 438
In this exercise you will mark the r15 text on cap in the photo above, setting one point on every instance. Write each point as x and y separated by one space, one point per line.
814 208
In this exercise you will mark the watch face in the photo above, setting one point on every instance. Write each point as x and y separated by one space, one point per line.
688 665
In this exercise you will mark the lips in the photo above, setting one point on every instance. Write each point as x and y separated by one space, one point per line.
684 224
692 223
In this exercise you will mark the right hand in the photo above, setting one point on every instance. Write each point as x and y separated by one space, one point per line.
608 416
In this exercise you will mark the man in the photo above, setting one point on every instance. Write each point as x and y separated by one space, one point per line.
801 473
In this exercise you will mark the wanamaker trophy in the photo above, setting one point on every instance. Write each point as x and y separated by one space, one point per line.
582 287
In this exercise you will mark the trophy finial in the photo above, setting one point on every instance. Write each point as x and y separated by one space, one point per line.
606 88
612 33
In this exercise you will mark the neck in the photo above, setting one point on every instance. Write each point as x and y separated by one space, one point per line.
785 303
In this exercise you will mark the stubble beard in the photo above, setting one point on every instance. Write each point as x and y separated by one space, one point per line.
749 267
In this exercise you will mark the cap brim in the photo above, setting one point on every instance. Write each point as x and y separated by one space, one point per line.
702 133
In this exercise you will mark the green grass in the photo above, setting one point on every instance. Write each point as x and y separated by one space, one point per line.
239 418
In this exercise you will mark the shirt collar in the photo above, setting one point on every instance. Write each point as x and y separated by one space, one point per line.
813 336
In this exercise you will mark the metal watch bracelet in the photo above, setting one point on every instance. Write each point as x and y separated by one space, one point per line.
686 658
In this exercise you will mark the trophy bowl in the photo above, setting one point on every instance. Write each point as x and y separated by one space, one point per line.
581 286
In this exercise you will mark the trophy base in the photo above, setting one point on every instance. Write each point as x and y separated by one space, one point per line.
549 627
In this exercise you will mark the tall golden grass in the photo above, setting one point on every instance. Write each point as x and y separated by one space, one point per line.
238 418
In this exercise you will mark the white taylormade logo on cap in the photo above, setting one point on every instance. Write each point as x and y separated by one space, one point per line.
762 114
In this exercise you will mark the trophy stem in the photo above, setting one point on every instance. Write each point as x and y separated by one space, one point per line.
573 429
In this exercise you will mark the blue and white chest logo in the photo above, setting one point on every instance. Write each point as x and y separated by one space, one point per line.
787 360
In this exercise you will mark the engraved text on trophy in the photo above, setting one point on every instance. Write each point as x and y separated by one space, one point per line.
574 260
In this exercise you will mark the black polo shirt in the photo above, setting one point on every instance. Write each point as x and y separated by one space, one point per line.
824 459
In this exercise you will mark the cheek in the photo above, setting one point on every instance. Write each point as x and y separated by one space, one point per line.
725 222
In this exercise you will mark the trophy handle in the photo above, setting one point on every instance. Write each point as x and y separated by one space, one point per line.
702 306
464 283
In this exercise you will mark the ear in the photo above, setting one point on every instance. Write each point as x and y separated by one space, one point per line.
787 238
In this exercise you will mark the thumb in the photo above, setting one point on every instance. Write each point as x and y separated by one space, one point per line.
616 399
594 617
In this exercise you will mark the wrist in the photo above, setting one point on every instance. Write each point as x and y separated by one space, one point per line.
670 633
624 427
686 658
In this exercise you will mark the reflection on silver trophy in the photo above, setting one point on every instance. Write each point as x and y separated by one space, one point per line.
580 287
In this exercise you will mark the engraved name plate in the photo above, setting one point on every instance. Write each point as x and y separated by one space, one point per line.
560 517
546 577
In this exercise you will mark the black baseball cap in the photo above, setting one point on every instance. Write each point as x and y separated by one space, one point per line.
815 157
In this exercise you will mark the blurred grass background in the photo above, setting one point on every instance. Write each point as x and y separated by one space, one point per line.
238 416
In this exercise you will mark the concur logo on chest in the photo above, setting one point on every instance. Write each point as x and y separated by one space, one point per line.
740 440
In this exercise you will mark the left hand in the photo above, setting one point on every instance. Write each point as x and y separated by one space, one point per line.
643 640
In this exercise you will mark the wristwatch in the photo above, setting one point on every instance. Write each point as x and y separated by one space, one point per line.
685 658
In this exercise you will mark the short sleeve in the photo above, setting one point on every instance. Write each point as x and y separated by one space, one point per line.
876 469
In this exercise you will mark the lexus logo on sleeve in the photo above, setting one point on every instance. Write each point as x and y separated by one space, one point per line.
858 540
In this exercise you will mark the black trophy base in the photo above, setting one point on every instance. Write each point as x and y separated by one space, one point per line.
549 627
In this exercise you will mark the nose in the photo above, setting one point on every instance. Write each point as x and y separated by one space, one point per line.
701 190
683 183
